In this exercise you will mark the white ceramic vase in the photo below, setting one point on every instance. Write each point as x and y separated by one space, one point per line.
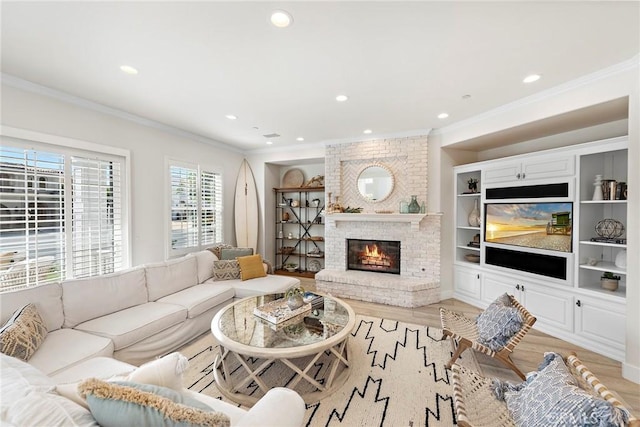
474 216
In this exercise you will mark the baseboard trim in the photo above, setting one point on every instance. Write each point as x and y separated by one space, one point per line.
631 372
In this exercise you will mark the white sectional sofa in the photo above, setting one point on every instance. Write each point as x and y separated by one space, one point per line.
133 316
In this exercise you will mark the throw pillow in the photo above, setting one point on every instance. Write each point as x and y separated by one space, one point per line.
127 403
233 253
552 397
251 267
217 249
498 323
226 270
22 334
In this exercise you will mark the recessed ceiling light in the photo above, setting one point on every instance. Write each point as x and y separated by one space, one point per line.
443 115
466 97
128 69
231 117
367 131
341 98
531 78
300 139
281 18
269 142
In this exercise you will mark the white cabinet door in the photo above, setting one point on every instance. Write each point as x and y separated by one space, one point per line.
467 282
540 167
550 306
547 167
495 285
501 172
602 321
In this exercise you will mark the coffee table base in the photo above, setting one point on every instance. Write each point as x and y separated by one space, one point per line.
338 357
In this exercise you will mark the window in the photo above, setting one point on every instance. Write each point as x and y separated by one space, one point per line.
195 208
61 214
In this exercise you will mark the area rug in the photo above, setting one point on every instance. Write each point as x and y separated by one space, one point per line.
398 377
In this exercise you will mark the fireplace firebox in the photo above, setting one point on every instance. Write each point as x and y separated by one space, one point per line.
380 256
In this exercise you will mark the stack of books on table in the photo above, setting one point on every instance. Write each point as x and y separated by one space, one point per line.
316 301
278 311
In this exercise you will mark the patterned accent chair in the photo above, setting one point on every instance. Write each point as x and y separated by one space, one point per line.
464 334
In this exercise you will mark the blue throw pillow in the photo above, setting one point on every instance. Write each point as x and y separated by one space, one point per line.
498 323
121 403
233 253
551 397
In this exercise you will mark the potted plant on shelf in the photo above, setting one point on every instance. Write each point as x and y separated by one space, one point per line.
609 281
294 297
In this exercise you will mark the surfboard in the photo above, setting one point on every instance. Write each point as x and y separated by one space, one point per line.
246 209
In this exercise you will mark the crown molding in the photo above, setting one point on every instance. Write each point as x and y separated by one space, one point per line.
545 94
38 89
377 137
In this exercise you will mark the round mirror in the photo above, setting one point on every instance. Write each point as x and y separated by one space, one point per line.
375 183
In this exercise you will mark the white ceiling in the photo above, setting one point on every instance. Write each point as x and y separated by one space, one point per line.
400 63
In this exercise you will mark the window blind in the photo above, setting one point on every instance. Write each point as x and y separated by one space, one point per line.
61 216
196 208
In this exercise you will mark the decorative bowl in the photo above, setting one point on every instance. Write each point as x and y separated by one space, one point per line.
472 258
290 269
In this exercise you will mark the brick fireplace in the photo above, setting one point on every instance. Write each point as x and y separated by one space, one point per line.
417 279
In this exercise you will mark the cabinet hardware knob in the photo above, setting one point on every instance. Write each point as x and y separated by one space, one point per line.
478 276
522 175
522 288
518 175
518 287
578 303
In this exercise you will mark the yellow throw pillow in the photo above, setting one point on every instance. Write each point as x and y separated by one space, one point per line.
251 267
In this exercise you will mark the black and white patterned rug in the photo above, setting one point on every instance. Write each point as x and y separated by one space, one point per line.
397 378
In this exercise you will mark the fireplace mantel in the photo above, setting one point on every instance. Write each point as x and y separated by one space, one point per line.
413 219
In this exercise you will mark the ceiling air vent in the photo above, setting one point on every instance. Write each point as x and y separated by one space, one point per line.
271 135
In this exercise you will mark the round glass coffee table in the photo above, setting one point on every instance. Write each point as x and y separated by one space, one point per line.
308 353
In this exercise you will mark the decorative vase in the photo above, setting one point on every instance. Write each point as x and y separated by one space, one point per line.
404 207
597 188
414 206
474 215
285 216
295 301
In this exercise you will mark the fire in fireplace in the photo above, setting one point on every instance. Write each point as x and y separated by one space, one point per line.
381 256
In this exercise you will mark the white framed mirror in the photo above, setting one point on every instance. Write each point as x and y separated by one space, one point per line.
375 183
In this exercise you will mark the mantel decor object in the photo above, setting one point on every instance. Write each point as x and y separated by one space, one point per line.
414 206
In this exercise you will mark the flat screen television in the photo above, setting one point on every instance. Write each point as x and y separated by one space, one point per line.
533 225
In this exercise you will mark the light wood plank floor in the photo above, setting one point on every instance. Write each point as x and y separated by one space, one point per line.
527 356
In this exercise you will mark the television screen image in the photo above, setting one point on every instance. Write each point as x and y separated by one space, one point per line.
532 225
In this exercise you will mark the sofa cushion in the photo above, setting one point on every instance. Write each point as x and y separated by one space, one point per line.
133 324
27 398
86 299
22 334
67 347
47 298
251 267
165 278
217 249
269 284
126 403
226 270
233 253
205 260
96 367
200 298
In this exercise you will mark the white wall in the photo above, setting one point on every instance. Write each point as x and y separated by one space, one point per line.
148 146
608 85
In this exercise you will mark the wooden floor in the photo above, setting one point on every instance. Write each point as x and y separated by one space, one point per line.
527 355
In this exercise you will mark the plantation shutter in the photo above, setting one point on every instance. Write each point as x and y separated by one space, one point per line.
61 214
97 216
211 207
196 208
32 228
